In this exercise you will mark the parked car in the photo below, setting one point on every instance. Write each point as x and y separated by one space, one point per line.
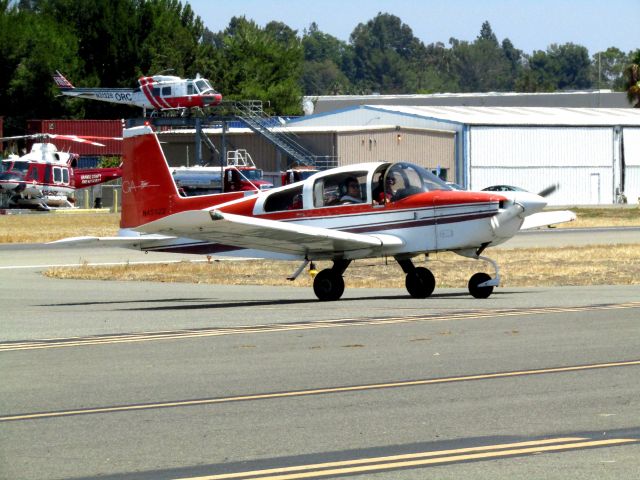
503 188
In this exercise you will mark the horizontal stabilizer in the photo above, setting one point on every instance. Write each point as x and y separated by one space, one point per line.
130 242
544 219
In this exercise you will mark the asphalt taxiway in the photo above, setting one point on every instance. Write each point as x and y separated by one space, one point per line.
149 380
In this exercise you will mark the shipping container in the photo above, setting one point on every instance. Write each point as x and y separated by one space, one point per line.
97 128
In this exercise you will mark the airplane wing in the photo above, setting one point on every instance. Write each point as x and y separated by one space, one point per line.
545 219
272 236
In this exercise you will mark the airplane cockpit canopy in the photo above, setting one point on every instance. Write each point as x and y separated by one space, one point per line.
403 179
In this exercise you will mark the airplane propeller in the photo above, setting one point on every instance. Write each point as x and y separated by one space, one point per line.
545 192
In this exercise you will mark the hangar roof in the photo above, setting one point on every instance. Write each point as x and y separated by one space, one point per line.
520 115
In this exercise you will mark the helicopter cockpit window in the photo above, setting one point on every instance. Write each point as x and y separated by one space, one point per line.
65 175
289 199
204 86
166 91
20 167
405 179
340 189
190 89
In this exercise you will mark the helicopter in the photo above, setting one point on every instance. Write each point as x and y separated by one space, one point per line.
46 177
157 92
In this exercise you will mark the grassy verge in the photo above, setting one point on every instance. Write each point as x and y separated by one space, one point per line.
592 265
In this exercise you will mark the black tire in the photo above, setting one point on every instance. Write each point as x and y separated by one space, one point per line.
475 290
420 282
328 285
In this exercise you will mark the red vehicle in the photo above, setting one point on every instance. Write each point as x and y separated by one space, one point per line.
239 175
46 177
297 174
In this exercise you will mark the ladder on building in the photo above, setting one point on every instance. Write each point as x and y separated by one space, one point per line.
274 130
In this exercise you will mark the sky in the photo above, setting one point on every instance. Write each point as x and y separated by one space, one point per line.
529 24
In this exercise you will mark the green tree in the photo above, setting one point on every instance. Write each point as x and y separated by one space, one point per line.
260 64
32 46
326 59
561 67
386 55
608 68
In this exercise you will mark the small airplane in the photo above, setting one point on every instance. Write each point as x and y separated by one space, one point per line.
158 92
365 210
45 177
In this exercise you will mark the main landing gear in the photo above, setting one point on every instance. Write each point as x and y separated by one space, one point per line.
328 284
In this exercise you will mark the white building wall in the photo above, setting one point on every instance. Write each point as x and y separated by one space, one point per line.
631 142
580 160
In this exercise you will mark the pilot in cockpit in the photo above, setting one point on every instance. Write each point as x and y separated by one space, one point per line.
350 191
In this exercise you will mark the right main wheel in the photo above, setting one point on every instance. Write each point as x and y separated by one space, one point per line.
420 282
328 285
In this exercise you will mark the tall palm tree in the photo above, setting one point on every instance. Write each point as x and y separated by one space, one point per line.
633 80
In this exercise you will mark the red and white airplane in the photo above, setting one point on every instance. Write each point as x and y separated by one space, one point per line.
46 177
382 209
159 92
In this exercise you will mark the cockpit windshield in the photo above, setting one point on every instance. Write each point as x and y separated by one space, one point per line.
204 86
18 167
402 180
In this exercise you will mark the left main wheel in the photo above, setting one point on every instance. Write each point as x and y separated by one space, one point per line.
328 285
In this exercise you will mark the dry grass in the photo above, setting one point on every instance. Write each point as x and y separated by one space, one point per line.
593 265
46 227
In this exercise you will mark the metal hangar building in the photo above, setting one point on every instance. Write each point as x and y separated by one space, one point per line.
592 153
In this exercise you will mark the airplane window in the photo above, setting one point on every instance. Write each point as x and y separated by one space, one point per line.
290 199
340 189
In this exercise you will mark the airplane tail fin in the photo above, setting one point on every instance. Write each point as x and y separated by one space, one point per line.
148 189
62 82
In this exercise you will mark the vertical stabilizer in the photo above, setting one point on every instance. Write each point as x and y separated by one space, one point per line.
148 189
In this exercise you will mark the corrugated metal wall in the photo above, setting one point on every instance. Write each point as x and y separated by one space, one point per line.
424 147
631 141
580 160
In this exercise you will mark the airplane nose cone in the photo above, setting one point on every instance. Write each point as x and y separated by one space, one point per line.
530 202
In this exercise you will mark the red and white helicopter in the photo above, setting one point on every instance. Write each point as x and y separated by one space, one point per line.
381 209
158 92
46 177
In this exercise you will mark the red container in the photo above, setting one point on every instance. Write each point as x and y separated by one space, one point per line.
95 128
